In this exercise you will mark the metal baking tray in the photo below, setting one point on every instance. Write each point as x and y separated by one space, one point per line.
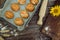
7 7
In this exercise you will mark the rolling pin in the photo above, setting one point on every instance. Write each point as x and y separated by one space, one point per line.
42 12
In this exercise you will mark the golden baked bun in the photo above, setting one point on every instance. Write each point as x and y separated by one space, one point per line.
24 14
9 14
34 1
30 7
15 7
21 1
18 21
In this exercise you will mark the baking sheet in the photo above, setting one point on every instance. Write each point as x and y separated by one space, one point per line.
7 7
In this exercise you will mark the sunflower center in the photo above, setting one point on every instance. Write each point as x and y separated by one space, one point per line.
55 10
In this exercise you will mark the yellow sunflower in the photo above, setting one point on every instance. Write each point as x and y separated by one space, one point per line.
55 11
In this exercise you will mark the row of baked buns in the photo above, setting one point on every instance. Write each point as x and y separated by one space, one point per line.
24 13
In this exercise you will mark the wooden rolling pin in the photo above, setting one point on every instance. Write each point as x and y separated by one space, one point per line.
42 12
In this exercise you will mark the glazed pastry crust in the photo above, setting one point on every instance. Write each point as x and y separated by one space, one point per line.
24 14
15 7
9 14
18 21
30 7
34 1
21 1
